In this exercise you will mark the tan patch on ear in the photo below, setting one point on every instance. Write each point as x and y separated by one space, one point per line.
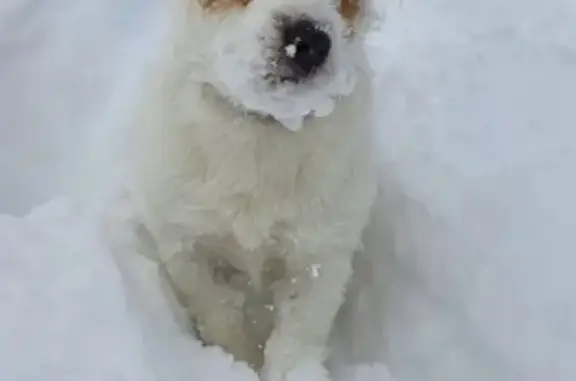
223 4
349 9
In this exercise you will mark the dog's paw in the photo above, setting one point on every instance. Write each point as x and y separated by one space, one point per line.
303 371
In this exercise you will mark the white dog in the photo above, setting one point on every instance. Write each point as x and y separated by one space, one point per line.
253 172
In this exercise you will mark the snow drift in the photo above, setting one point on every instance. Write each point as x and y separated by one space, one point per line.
472 259
73 311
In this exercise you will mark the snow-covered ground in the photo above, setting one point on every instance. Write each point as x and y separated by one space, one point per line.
468 270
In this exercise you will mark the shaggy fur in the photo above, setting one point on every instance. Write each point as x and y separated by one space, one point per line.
255 225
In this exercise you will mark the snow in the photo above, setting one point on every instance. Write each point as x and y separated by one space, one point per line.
62 303
476 143
469 262
291 50
60 62
65 315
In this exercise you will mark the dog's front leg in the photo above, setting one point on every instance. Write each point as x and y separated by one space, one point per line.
306 307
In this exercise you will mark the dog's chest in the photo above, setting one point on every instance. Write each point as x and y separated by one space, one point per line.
255 184
249 205
257 189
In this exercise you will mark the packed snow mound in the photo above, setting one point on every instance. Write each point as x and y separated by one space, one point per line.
73 311
63 306
66 314
470 274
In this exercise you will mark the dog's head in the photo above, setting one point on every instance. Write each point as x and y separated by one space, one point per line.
282 58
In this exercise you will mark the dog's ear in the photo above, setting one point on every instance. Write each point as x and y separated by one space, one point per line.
350 9
363 15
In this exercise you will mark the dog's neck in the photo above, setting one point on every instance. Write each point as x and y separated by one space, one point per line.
210 94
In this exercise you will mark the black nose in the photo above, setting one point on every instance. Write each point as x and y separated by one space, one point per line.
306 47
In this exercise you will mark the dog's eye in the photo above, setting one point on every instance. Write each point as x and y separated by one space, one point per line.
349 9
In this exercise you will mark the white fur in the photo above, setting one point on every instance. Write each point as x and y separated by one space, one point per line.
282 211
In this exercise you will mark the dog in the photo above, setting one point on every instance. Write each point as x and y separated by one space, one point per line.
252 171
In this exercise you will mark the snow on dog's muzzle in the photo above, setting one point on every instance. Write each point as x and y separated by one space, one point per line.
287 63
